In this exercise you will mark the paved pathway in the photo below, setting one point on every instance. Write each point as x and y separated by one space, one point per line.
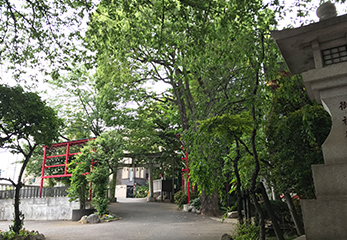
140 220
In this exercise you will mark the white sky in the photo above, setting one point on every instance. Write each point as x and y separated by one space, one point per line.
7 166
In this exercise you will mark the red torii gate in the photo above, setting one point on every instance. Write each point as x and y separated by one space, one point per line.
66 155
185 171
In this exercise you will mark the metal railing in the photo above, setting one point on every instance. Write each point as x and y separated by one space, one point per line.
34 192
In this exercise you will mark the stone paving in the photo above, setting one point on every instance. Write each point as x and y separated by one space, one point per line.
140 220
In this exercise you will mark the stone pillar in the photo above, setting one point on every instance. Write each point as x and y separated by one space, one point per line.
319 52
150 173
326 217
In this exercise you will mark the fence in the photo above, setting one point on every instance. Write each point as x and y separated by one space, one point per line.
34 192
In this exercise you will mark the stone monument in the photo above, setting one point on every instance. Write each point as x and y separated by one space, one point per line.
319 52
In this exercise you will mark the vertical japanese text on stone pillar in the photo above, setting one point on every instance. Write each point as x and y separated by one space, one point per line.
343 106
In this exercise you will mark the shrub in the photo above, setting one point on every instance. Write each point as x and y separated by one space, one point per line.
99 178
141 191
181 198
196 202
247 232
12 235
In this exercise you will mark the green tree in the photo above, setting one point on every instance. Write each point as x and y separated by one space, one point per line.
25 122
76 99
42 35
295 130
185 44
222 134
100 158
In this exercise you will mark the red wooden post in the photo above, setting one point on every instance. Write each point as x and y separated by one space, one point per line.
43 168
67 157
182 181
65 164
188 187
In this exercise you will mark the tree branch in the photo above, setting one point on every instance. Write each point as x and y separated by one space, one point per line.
9 180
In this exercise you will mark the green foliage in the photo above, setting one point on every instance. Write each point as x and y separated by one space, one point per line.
25 122
295 133
141 191
215 83
227 126
196 202
247 232
76 99
99 179
9 235
103 154
32 32
183 45
21 224
181 198
210 166
24 114
79 186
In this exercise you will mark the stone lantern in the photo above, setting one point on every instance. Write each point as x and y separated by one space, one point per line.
319 52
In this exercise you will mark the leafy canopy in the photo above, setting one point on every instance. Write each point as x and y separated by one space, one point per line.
23 115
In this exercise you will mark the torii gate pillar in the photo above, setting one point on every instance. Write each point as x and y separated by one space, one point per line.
150 173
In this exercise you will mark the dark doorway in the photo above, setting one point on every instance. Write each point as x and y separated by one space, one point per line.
130 191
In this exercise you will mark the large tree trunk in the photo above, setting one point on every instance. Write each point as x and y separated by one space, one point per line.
18 217
296 218
83 199
209 204
246 205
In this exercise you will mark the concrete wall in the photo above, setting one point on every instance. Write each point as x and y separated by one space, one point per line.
55 208
121 191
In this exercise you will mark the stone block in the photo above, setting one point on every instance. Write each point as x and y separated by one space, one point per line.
233 214
83 220
78 213
93 218
325 219
328 179
226 237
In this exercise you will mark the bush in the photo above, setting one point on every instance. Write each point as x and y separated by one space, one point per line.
181 198
196 202
11 234
141 191
247 232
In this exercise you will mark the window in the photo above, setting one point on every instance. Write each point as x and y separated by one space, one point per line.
334 55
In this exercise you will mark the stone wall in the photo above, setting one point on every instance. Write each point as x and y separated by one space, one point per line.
55 208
